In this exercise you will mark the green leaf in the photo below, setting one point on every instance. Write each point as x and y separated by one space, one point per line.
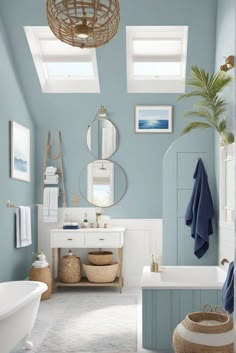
222 125
201 113
195 125
227 138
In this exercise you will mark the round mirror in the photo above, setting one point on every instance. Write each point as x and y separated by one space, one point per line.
103 183
102 138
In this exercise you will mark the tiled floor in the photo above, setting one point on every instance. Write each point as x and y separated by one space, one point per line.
53 309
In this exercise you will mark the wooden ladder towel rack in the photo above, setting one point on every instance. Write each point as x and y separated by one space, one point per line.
48 156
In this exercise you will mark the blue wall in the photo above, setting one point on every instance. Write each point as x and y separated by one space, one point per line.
140 155
14 263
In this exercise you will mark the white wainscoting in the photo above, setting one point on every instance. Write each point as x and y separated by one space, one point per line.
143 237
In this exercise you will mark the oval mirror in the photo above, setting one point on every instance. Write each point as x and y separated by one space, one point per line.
102 138
102 183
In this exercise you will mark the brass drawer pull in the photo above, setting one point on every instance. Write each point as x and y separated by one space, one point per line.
101 239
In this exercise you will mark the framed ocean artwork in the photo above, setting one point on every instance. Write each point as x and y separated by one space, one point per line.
153 118
20 152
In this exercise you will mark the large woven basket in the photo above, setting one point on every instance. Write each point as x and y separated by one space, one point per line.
70 269
42 275
100 257
204 332
101 274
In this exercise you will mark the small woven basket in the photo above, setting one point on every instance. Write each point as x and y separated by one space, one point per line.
70 269
100 257
42 275
101 274
210 325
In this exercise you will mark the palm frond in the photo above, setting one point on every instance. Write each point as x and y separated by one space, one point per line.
201 113
211 106
195 125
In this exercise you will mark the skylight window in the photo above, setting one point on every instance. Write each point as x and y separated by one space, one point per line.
156 59
62 68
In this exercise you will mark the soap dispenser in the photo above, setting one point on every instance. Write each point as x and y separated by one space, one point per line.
85 223
153 264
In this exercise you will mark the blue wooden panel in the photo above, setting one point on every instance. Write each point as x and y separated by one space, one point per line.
162 313
209 296
183 197
186 164
178 168
147 324
186 302
175 308
164 309
197 300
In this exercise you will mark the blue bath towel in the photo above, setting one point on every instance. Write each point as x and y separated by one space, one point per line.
200 211
228 290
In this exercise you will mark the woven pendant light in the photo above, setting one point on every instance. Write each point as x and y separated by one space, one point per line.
84 23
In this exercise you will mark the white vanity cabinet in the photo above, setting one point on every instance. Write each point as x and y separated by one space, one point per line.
95 238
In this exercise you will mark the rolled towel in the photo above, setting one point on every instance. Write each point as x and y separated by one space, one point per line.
228 290
52 177
51 168
51 182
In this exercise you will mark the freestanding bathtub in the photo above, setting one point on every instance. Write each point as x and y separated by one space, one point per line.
168 296
19 302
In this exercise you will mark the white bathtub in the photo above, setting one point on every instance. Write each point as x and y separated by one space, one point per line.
19 302
184 277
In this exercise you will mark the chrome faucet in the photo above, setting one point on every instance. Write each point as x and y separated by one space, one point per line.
223 261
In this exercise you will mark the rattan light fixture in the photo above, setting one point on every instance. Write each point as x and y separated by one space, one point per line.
84 23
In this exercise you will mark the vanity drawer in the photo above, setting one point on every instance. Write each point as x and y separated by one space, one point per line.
67 240
103 240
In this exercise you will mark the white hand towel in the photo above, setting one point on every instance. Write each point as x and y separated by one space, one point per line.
46 201
17 227
50 212
23 236
23 227
28 235
54 192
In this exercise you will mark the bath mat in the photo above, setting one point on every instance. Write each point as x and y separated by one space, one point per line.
94 324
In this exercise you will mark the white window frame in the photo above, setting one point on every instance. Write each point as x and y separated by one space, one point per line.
59 84
155 84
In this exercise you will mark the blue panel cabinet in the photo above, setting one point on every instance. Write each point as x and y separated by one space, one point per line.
178 168
163 310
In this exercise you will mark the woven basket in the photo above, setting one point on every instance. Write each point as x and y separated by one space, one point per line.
42 275
70 269
101 274
204 332
100 257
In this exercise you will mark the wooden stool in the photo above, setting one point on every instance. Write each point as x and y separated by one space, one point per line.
42 275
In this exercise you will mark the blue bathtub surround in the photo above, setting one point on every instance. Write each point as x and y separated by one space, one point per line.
168 296
228 290
200 211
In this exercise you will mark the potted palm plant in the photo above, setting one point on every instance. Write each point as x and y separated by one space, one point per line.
211 107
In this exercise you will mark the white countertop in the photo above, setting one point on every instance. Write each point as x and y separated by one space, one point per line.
90 230
183 277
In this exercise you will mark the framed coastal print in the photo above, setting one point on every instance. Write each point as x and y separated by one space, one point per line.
153 118
20 152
